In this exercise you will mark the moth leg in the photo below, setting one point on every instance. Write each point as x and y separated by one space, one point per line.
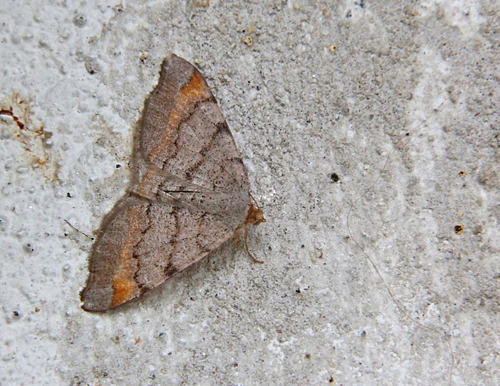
246 247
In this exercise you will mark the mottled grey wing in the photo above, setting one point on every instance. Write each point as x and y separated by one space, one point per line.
142 244
184 133
191 193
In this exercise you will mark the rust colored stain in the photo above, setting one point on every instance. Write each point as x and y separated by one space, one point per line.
20 124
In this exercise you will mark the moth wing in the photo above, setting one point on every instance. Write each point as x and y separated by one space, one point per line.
142 245
190 192
184 133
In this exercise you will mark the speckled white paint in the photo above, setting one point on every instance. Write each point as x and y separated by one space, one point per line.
316 312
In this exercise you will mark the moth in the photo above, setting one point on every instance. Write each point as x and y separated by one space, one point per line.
189 193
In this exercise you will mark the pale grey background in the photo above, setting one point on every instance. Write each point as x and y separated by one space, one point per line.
327 87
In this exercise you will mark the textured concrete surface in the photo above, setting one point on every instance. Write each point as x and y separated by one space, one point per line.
398 99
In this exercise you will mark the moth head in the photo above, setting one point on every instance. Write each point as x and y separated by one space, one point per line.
255 216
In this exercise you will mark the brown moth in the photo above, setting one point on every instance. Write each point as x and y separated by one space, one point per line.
189 193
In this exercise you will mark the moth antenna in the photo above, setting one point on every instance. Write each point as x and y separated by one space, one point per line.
246 247
78 230
254 200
